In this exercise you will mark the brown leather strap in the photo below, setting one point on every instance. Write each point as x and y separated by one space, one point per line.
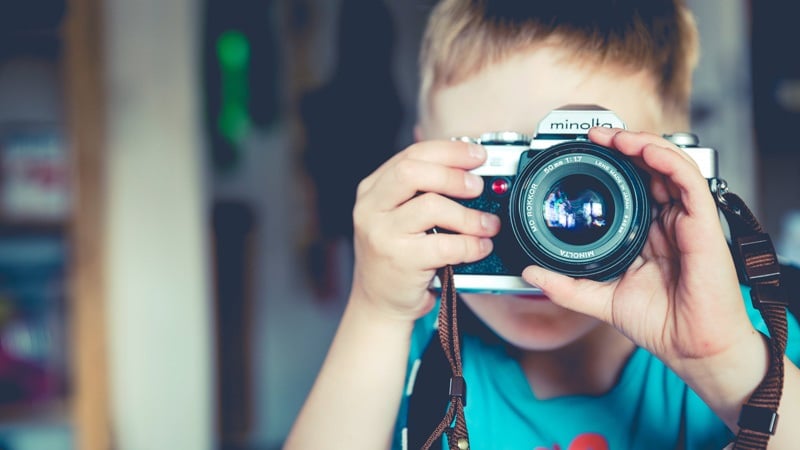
457 436
758 266
757 263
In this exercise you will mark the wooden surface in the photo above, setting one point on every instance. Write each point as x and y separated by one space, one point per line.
84 115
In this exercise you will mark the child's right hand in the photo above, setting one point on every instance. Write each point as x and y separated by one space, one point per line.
397 205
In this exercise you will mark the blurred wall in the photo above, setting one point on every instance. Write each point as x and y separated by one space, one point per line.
159 326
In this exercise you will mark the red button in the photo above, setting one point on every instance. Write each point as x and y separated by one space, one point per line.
500 186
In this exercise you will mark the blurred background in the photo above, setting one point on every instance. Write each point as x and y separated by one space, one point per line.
176 179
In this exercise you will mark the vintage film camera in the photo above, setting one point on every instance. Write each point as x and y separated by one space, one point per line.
566 203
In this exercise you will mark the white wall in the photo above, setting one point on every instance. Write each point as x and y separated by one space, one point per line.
159 329
722 88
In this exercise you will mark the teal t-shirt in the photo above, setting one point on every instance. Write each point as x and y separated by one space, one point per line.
649 407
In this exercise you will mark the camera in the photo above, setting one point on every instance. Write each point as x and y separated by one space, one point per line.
565 203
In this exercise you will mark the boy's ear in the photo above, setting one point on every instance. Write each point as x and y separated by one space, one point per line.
418 133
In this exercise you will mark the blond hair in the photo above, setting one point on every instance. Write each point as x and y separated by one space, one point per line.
463 37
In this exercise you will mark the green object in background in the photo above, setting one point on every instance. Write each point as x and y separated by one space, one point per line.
233 53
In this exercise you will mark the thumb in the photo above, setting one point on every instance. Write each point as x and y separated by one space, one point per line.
579 295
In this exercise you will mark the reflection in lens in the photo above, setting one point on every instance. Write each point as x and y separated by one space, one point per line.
578 209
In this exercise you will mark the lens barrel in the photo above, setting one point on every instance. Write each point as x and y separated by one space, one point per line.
580 209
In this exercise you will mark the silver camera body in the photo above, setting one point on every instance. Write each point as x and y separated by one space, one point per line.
565 203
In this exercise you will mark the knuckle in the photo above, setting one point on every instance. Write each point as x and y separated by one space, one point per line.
359 214
455 249
473 251
405 171
362 187
415 150
366 226
373 240
429 203
649 134
471 219
422 150
457 180
447 249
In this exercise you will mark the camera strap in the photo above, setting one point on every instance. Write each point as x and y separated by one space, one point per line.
758 267
757 264
454 423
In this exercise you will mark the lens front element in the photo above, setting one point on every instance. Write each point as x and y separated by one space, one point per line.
578 209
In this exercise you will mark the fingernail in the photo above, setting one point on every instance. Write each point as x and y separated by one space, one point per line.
489 221
477 151
486 245
472 181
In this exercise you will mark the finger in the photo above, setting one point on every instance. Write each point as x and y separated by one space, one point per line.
457 154
439 250
429 210
634 144
660 188
407 177
683 178
571 293
631 143
685 181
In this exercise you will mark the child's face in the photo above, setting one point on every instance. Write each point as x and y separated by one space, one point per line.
514 96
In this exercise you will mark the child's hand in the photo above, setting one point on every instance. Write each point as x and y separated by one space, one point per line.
680 299
396 206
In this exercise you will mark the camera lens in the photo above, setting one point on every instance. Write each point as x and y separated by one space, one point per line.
577 209
580 209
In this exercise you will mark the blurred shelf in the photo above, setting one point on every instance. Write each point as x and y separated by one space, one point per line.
36 427
32 228
49 74
54 412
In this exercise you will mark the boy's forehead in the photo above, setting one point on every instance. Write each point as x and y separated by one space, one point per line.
517 93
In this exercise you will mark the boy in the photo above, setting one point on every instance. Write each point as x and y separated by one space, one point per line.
662 357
